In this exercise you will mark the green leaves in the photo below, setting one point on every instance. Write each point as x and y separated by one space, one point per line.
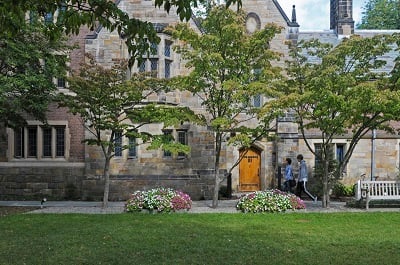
341 91
381 14
229 67
29 60
109 103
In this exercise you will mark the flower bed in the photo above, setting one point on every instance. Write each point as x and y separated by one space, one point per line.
269 201
159 200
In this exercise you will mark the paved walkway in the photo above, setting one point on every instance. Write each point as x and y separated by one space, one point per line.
224 206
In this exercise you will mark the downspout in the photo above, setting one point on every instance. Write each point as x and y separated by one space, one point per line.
373 154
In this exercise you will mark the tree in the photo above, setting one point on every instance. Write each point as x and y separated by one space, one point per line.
381 14
29 60
72 15
112 107
31 30
339 91
229 67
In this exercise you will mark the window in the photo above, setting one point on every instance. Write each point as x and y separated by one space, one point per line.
340 152
132 152
118 144
178 136
167 48
153 67
157 59
19 143
32 141
167 69
61 82
337 153
257 101
142 66
47 141
167 153
37 141
182 139
153 48
318 151
124 147
48 18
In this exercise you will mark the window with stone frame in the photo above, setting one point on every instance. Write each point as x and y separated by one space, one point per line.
257 101
167 154
154 67
337 152
142 66
167 68
179 136
167 48
38 141
182 139
125 147
48 18
159 60
132 150
61 82
118 144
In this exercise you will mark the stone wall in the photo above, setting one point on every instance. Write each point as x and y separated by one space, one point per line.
36 181
199 186
57 178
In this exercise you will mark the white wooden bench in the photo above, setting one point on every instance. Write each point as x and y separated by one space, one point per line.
377 190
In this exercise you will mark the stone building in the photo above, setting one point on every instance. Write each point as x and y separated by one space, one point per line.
51 161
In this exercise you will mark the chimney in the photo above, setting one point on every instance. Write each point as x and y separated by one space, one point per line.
341 17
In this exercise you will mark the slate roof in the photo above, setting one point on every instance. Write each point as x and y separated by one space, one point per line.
329 36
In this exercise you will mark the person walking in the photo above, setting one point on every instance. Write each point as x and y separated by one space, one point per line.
288 175
302 179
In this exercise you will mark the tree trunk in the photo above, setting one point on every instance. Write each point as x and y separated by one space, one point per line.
106 182
325 185
218 144
216 189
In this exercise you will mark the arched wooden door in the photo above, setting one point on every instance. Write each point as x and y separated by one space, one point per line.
249 170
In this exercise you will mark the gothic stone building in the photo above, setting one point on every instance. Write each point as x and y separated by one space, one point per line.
38 161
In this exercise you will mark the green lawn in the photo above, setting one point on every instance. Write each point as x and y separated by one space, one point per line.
298 238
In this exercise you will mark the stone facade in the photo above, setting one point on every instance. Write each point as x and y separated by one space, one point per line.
38 177
78 173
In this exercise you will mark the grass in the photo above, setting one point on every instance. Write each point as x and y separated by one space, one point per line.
298 238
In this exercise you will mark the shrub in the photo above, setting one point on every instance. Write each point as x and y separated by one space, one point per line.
269 201
223 192
341 190
158 199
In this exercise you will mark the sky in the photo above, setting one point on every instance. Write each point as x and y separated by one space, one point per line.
314 14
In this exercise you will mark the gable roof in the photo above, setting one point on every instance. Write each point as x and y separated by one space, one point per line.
290 23
329 36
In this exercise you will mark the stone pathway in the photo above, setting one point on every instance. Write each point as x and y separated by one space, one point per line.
224 206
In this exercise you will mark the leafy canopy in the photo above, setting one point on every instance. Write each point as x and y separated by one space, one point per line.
29 60
108 102
27 38
228 69
112 106
381 14
73 14
339 91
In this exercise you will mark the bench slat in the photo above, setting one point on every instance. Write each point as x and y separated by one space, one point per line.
378 190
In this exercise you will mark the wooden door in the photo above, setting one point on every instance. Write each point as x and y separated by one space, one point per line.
249 170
